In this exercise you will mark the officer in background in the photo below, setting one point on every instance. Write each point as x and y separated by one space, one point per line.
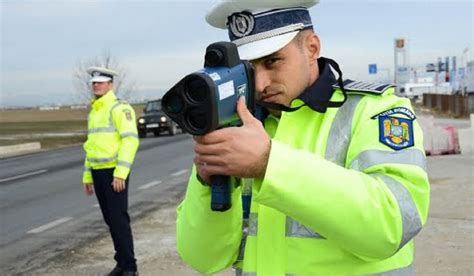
336 172
112 142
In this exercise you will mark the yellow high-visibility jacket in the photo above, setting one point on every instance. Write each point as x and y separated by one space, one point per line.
344 193
112 139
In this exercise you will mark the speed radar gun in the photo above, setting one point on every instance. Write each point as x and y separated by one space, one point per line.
206 100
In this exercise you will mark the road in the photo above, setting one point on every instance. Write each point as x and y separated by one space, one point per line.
44 210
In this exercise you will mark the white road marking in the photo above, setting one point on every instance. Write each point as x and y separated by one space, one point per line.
149 185
22 175
49 225
96 205
179 172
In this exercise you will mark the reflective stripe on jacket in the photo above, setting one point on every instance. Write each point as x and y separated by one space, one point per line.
112 139
334 200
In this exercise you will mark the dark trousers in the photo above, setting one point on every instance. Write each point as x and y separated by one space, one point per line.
114 207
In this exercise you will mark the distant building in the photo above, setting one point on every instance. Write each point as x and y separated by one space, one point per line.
467 79
78 107
44 108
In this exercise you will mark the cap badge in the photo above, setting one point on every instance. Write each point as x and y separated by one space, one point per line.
241 23
96 74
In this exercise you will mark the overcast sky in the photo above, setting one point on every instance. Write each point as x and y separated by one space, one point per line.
161 41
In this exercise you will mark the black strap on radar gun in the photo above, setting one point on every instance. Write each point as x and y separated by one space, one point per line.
220 193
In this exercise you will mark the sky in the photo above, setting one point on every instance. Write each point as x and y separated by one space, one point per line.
161 41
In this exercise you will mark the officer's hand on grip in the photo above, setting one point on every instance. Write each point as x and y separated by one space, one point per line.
236 151
118 184
88 188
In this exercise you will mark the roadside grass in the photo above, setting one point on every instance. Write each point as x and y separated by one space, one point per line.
14 128
51 134
48 142
37 115
52 128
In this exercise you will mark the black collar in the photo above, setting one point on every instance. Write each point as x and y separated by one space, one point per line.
318 95
320 92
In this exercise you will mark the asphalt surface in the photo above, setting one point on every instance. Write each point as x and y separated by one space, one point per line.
43 208
445 246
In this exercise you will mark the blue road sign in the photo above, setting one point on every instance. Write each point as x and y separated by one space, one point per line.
372 68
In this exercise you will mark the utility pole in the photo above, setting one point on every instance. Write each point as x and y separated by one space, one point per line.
402 72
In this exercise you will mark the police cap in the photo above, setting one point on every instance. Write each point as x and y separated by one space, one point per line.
260 28
99 74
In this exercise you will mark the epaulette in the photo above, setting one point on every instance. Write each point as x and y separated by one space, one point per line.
374 88
120 101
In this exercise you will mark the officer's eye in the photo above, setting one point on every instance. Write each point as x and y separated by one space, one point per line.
272 61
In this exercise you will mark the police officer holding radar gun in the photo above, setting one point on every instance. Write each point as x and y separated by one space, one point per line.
112 142
320 176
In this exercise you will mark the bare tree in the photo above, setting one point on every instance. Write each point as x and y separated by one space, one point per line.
122 85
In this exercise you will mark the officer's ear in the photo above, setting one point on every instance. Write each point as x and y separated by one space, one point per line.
312 45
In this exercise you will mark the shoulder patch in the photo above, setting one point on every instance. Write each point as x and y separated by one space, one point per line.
397 110
396 132
374 88
128 114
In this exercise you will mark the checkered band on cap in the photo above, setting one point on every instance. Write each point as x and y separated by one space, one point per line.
245 27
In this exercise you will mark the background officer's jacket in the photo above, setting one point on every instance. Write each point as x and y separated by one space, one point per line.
336 197
112 139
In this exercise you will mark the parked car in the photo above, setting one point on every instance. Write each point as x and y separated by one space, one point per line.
155 120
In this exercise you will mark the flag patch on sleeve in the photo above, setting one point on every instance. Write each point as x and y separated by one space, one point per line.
396 128
128 115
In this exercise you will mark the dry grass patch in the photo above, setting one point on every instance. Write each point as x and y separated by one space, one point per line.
52 128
